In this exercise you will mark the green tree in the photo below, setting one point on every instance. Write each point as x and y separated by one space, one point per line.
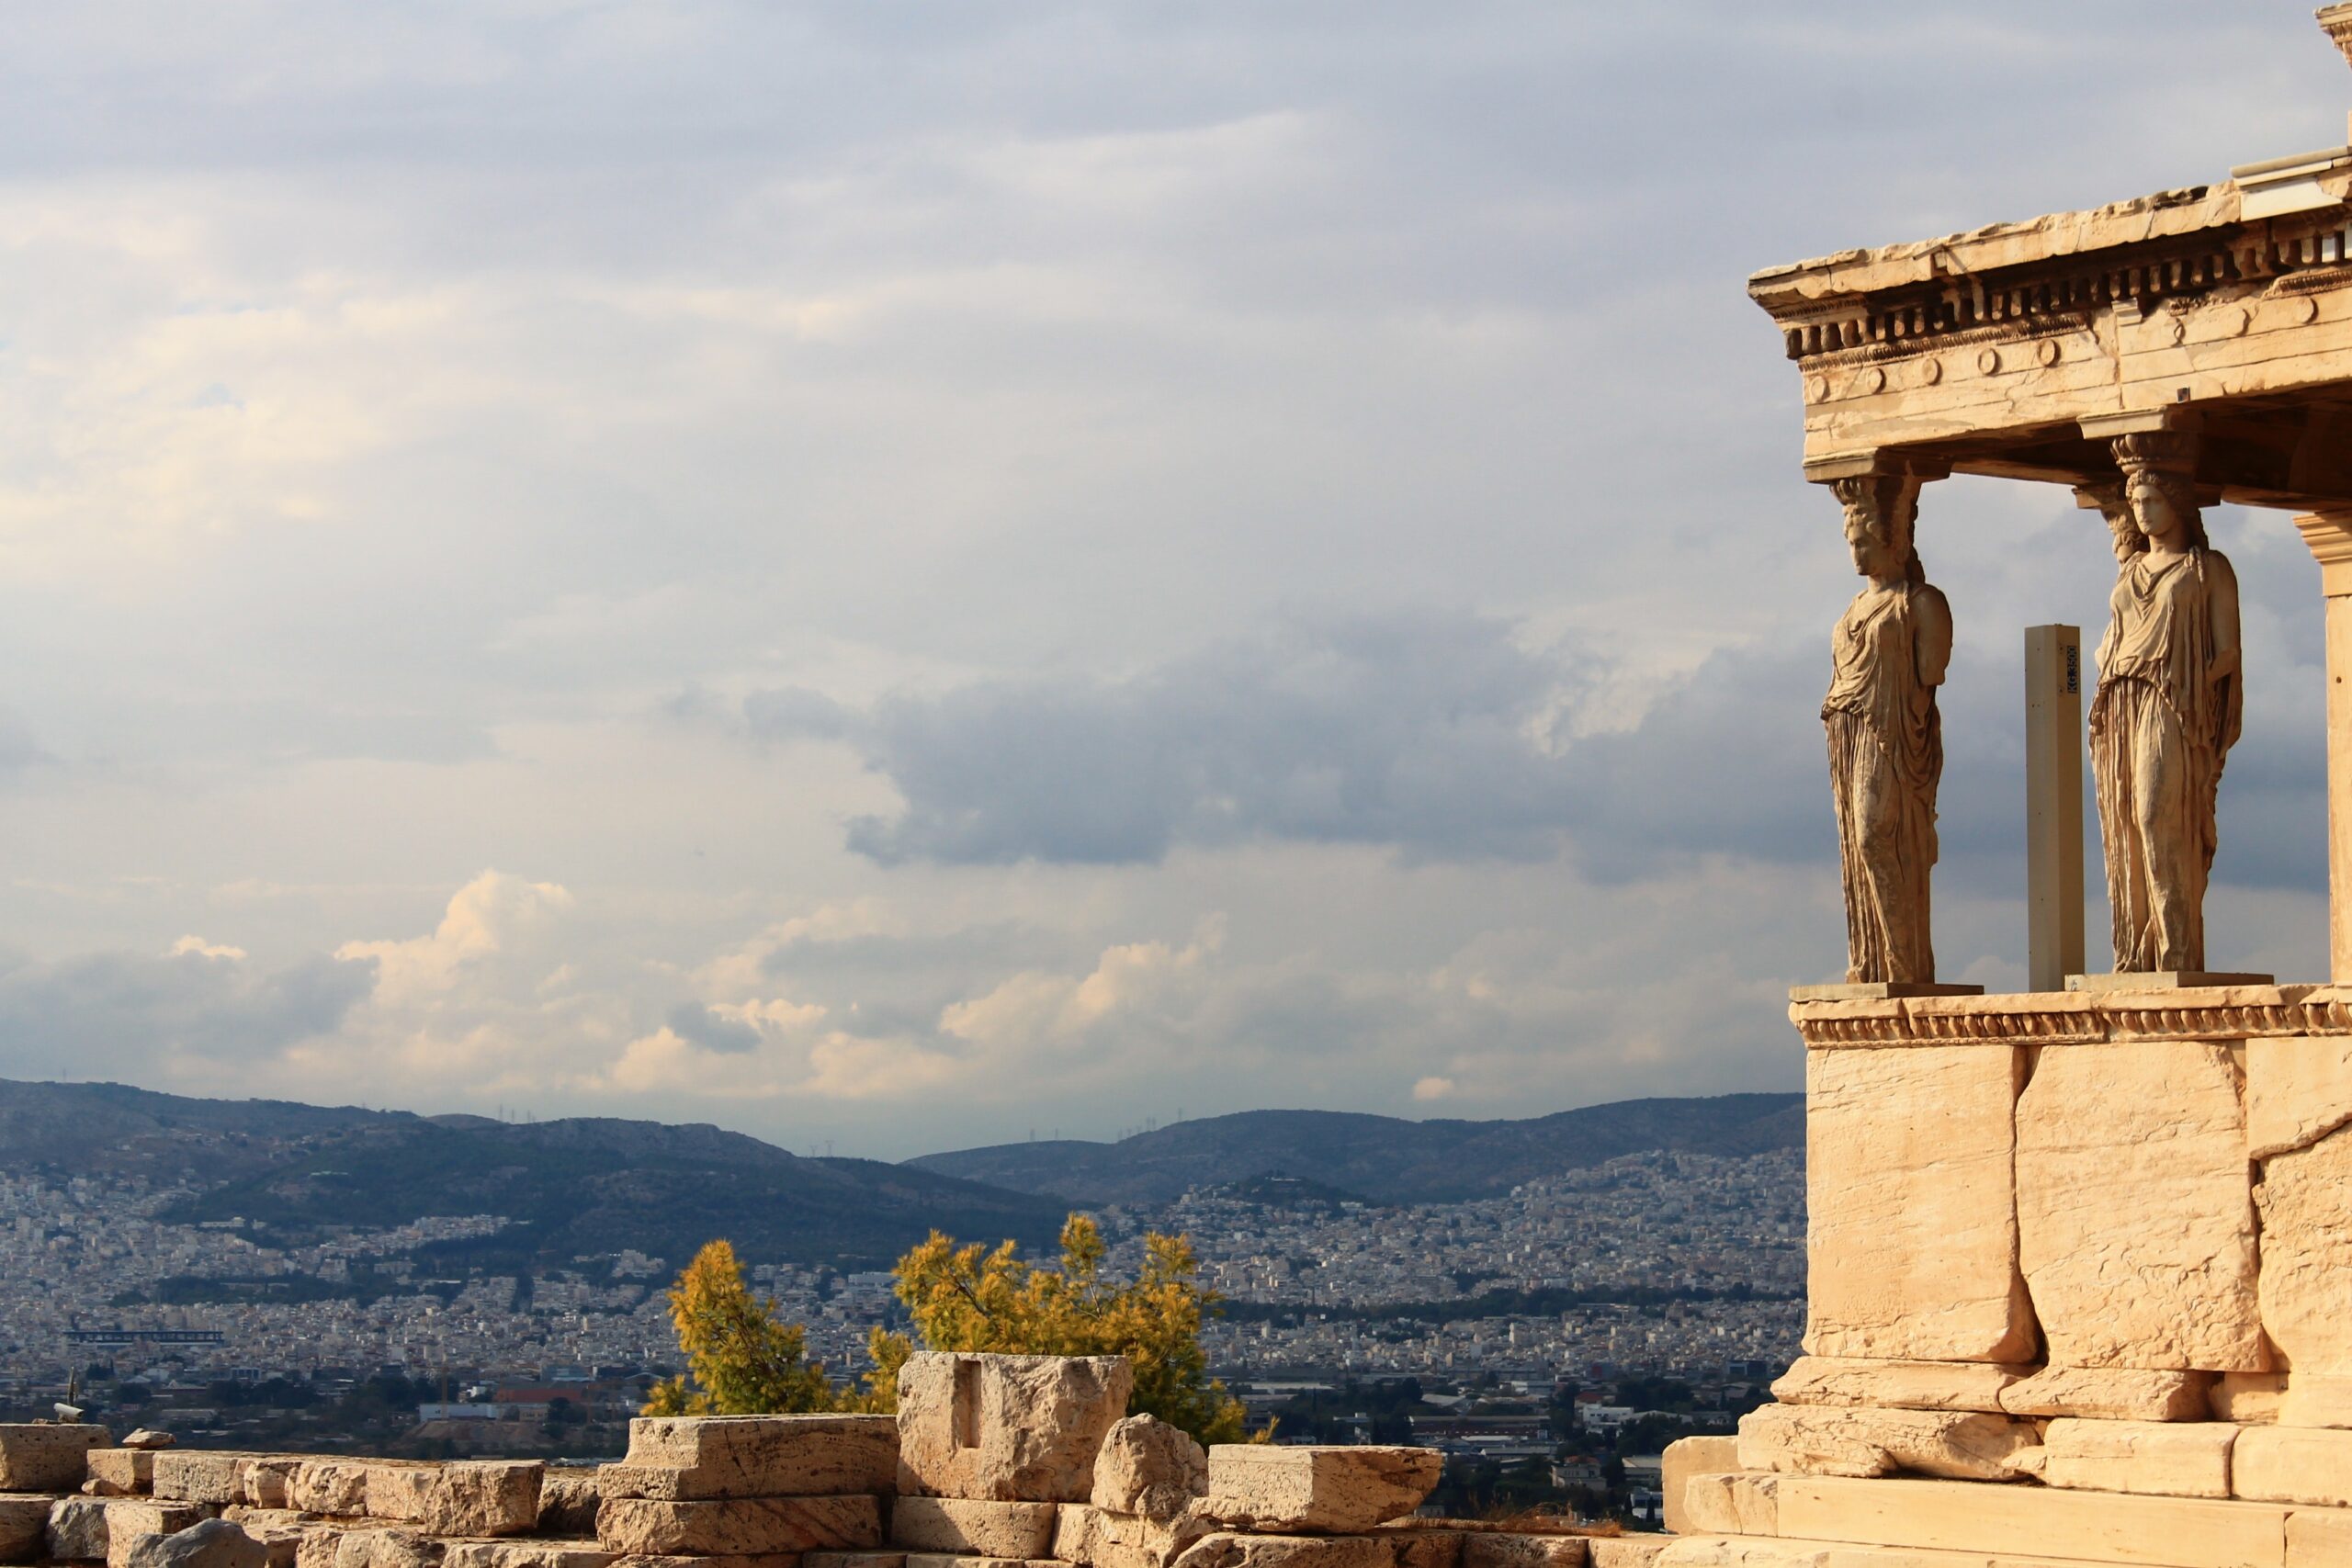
972 1298
743 1359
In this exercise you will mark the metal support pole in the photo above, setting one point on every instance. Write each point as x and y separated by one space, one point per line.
2053 806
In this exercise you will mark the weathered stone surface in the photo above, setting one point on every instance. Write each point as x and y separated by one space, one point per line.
1685 1459
386 1547
319 1546
36 1458
484 1497
1318 1490
265 1482
1897 1386
2135 1223
855 1560
1512 1549
145 1438
2298 1090
2316 1399
697 1457
1913 1249
337 1486
1105 1540
950 1560
2306 1199
2293 1464
210 1544
2164 1458
525 1554
2032 1523
568 1499
1624 1550
1420 1546
121 1472
2247 1399
2110 1393
398 1491
1224 1550
77 1529
131 1519
1149 1468
24 1527
737 1526
972 1526
281 1531
757 1559
2319 1538
1012 1428
1735 1503
1829 1440
201 1476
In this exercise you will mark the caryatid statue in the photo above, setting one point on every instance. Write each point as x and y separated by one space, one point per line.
1886 750
2170 699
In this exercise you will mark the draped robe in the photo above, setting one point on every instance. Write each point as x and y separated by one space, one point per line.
1887 756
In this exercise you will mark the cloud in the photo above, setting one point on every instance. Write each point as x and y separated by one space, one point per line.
486 919
203 949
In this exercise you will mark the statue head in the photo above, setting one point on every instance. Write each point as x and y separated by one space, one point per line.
2160 487
1881 510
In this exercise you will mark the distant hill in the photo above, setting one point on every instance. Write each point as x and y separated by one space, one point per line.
1383 1158
581 1186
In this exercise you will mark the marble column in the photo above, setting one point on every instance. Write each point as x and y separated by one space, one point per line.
2329 535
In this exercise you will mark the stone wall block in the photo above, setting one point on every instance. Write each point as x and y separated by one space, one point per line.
120 1472
40 1457
737 1526
1006 1429
337 1486
1226 1550
1898 1385
1317 1490
484 1497
2112 1394
2182 1459
699 1458
211 1543
1149 1468
1912 1253
1830 1440
2135 1216
973 1527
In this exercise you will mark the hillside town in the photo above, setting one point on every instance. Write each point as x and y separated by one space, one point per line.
1661 1265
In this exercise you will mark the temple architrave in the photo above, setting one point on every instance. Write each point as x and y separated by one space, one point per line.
2081 1259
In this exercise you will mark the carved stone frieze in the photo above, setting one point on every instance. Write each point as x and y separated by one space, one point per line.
2251 1013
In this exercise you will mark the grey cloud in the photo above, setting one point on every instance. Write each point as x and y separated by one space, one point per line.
112 1012
697 1025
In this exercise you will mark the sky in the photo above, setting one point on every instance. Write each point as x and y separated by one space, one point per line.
902 576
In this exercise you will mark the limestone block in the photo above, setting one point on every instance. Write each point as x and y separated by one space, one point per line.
1913 1249
2306 1199
1150 1468
320 1547
1317 1490
757 1559
387 1547
263 1482
128 1519
2168 1459
484 1497
41 1458
77 1529
201 1476
210 1544
2293 1464
971 1526
119 1472
1897 1386
281 1531
2111 1394
525 1554
855 1560
2319 1538
2034 1523
1510 1549
1225 1550
568 1501
143 1438
398 1492
1686 1457
24 1527
1420 1546
1736 1504
2135 1221
737 1526
1009 1428
337 1486
1103 1538
1829 1441
1626 1550
948 1559
698 1458
2248 1399
2316 1399
2297 1092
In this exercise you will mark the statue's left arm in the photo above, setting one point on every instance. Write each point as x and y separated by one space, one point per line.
2226 673
1931 635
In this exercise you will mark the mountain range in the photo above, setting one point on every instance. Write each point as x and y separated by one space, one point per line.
585 1186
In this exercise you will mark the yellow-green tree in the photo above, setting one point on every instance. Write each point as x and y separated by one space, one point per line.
970 1298
744 1360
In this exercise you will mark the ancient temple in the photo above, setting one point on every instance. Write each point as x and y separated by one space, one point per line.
2081 1259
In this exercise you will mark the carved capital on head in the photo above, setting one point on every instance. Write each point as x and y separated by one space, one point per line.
2170 452
1885 506
2336 22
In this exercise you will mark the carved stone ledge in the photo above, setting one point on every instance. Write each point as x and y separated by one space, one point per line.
2065 1018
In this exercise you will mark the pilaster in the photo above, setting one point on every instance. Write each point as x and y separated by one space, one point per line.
2329 535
